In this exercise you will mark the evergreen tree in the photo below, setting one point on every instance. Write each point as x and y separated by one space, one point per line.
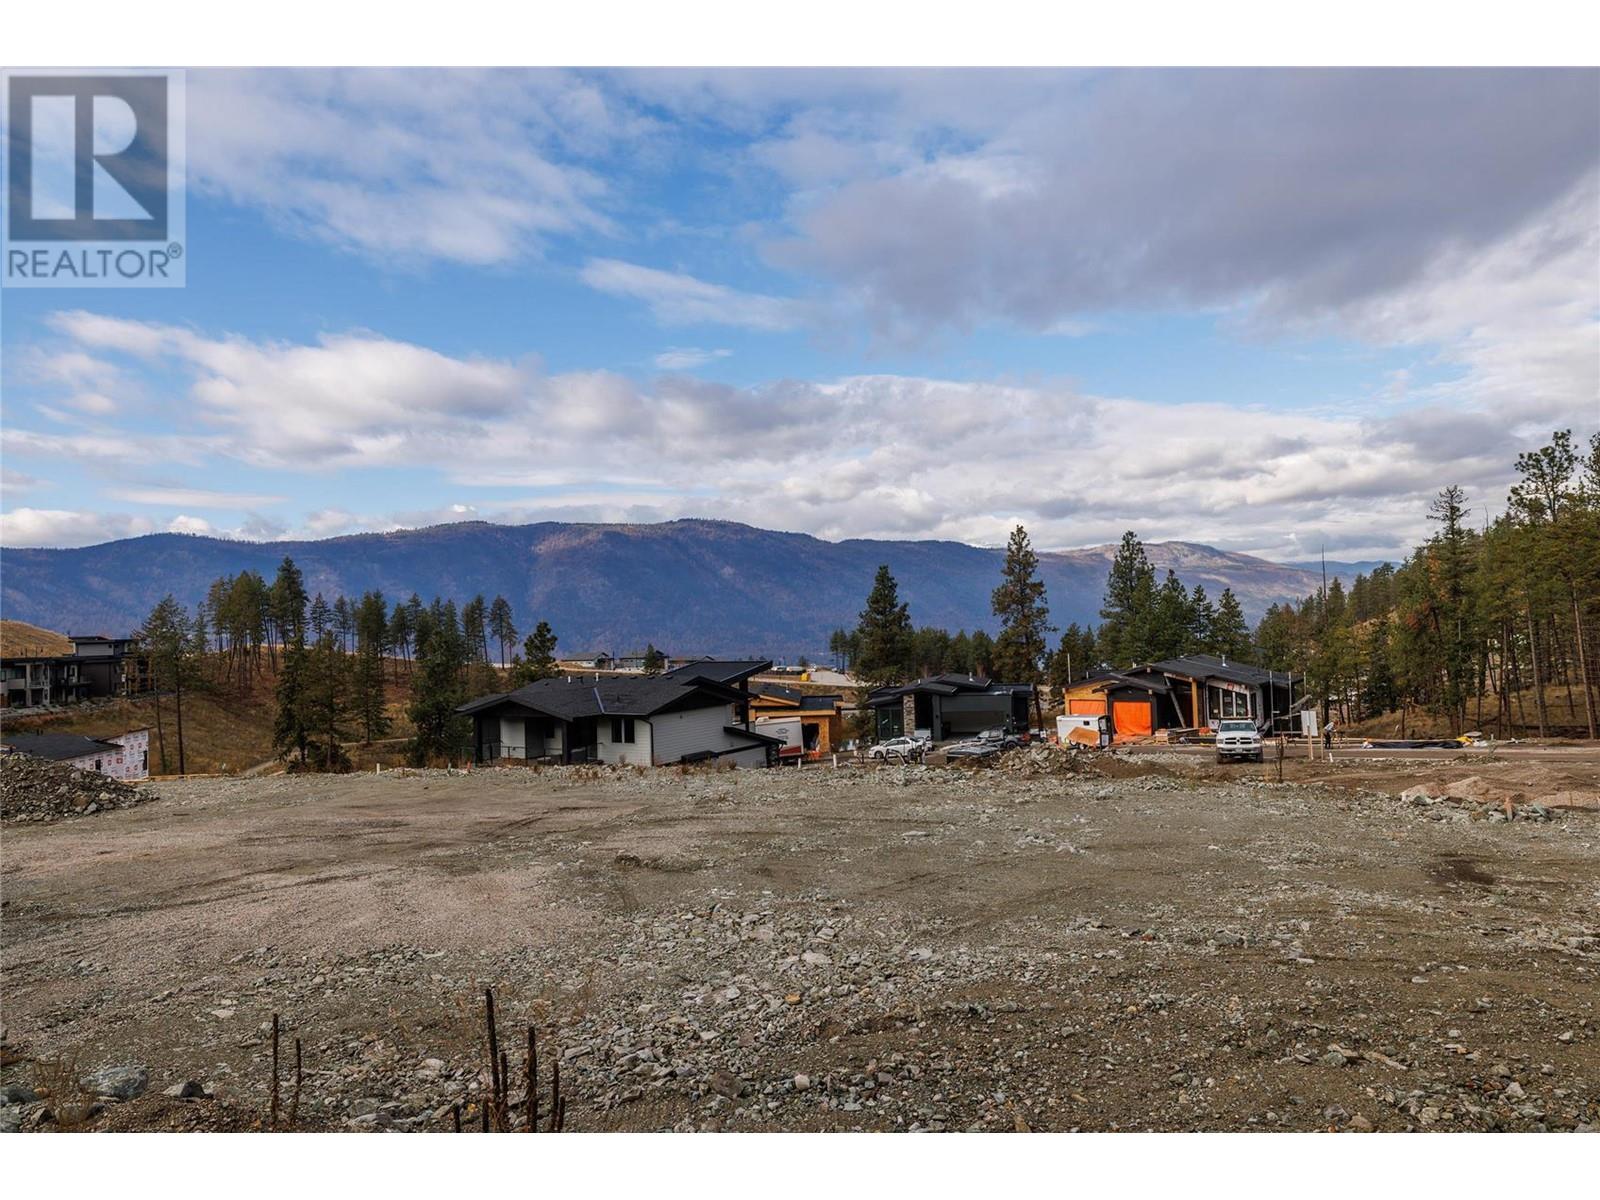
654 661
885 635
327 703
473 616
1074 658
538 657
501 625
169 643
437 687
1230 633
289 729
1171 621
1127 610
1019 602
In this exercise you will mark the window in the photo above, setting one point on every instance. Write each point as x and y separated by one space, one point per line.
622 729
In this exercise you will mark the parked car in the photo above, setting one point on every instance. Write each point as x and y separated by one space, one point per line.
1239 739
900 749
1000 738
978 747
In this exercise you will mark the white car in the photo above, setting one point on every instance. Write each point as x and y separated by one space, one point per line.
900 749
1239 739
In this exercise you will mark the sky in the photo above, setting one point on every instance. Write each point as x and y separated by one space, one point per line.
1270 311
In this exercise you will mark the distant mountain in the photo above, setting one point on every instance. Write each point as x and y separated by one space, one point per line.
693 586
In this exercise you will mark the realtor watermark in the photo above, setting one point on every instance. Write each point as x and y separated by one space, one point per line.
94 179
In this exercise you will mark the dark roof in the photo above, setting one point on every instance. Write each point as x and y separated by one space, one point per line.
803 701
1114 679
1209 666
58 747
946 685
724 671
753 735
570 697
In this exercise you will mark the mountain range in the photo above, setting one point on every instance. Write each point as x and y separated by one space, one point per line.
688 586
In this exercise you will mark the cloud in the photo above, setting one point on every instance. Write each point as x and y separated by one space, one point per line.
677 299
903 455
193 497
58 527
1303 191
686 358
406 167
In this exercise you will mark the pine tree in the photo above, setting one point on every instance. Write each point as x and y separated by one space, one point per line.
538 657
168 641
1230 633
1024 613
501 625
327 704
1128 607
885 632
437 688
289 729
654 661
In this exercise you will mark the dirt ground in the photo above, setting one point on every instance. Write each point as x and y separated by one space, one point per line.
1166 945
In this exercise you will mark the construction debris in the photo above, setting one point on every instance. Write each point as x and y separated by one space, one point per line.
34 789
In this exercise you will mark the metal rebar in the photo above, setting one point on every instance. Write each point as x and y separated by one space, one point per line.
494 1045
294 1100
274 1070
555 1094
532 1101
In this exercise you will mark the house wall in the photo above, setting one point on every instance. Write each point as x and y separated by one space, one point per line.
136 755
697 730
973 713
636 753
512 737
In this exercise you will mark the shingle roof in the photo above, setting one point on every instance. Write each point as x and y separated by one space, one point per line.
725 671
58 747
570 697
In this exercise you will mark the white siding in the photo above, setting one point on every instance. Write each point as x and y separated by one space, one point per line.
636 752
513 738
697 730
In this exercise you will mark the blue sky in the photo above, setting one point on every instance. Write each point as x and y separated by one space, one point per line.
1271 311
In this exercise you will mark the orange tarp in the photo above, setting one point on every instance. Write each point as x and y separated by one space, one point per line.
1086 708
1132 719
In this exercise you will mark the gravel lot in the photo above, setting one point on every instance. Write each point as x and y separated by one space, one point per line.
1166 946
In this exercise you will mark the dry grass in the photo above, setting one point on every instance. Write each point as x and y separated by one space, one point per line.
225 729
18 638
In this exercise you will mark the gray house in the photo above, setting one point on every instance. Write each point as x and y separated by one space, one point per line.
949 706
697 713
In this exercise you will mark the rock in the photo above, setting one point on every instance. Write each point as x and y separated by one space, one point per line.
1514 1091
117 1083
1360 1124
189 1090
10 1119
726 1083
815 958
17 1093
1565 1037
802 1083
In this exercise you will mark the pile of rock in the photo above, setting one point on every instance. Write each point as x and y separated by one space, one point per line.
1046 759
1475 799
35 789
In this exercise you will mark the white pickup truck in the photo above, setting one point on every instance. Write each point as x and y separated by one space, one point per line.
1239 739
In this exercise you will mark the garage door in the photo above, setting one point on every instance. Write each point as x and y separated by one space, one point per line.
1086 708
1131 718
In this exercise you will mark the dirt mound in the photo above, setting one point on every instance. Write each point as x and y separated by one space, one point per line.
35 789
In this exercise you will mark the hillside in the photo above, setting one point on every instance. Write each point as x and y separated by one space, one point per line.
19 639
711 587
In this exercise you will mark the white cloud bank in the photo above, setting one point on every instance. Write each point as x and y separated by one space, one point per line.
870 455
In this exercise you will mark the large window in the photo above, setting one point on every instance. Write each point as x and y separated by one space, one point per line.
622 729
